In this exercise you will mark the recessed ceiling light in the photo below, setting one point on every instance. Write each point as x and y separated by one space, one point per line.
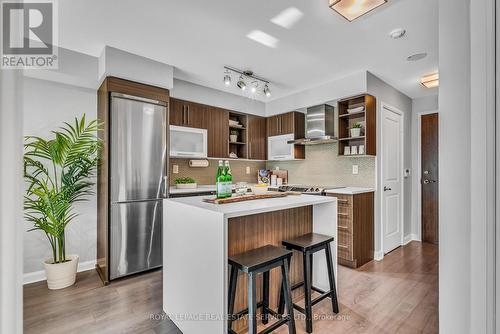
417 56
397 33
430 80
288 17
352 9
263 38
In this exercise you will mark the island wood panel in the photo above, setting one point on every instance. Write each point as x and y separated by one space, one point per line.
254 231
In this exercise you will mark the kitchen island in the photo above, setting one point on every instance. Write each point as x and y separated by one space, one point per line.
198 237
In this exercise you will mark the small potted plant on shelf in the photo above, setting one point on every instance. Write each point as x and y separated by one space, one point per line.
233 136
185 183
59 173
356 130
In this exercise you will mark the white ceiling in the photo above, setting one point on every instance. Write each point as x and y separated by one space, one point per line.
199 37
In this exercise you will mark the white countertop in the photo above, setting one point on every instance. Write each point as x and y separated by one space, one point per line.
199 189
255 206
350 190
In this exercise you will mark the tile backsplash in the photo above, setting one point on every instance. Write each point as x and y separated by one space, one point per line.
323 167
206 175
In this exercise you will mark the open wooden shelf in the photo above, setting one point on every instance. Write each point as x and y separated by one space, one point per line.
366 117
239 147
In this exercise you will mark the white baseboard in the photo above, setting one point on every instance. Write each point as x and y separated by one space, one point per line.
38 276
409 238
378 255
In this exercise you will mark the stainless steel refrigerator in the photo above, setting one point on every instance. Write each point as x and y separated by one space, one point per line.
138 183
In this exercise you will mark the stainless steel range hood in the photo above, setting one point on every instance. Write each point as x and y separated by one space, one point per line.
320 126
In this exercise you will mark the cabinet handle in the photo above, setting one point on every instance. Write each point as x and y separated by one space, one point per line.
249 150
187 112
183 115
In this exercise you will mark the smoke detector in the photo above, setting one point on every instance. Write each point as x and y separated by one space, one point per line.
397 33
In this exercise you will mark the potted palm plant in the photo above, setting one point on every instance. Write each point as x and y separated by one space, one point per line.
59 173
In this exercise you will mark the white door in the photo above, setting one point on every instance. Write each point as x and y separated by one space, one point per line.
392 179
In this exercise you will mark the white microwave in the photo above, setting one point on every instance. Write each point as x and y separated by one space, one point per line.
188 142
279 149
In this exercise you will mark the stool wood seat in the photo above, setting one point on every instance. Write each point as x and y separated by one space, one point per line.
254 262
309 244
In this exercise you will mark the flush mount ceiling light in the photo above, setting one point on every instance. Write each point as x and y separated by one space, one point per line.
397 33
430 80
287 18
416 56
352 9
257 84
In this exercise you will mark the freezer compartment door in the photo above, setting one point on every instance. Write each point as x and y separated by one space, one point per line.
138 150
135 237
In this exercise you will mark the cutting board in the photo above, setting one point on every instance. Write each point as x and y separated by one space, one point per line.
242 198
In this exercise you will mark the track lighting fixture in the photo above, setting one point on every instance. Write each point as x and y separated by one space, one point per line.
267 91
241 84
256 84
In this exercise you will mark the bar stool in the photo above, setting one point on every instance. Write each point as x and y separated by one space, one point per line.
309 244
253 262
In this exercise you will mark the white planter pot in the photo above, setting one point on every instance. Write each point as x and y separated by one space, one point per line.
233 138
186 186
356 132
61 275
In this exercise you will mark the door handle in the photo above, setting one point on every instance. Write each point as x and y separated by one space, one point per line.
165 186
387 188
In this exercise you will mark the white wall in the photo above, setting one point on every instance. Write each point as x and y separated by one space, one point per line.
421 105
342 87
454 169
192 92
391 96
46 106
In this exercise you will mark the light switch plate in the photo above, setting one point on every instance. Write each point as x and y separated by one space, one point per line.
248 170
355 169
175 169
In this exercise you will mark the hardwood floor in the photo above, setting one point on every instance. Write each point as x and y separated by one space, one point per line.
396 295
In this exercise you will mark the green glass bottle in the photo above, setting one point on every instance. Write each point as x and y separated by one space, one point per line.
228 178
220 181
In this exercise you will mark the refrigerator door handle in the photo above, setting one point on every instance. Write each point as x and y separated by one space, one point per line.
165 186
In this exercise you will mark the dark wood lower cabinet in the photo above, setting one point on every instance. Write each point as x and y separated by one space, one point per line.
355 220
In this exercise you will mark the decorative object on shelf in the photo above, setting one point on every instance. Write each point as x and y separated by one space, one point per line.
347 150
258 85
233 155
361 149
356 110
354 150
59 172
233 137
356 130
352 9
185 183
233 122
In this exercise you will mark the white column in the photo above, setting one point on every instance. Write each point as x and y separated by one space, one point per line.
11 192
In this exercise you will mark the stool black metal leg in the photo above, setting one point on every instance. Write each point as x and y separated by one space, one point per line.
311 266
252 304
281 301
307 291
265 297
331 278
287 291
233 280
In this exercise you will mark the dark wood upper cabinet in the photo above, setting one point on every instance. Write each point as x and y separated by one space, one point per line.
257 139
290 122
218 132
190 114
